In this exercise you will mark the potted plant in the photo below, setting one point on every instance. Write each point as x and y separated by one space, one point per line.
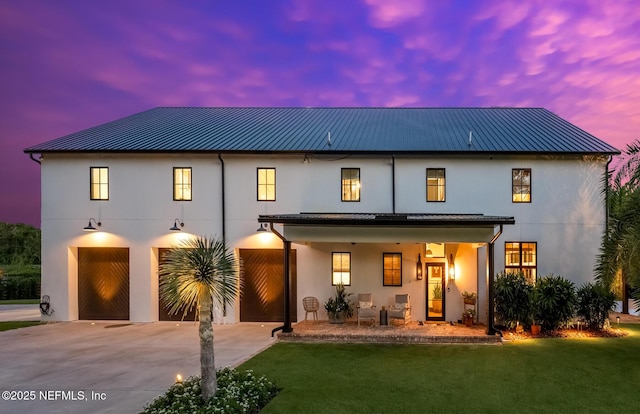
339 307
469 297
437 299
467 316
536 314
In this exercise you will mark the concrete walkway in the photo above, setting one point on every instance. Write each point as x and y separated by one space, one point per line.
111 367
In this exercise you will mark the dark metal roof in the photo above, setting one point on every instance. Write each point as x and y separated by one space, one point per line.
352 130
387 219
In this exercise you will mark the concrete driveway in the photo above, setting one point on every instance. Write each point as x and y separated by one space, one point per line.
19 313
110 367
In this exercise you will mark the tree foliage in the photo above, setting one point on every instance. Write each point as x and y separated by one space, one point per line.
204 273
620 246
19 244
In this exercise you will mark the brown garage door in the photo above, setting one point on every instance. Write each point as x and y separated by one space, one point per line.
103 283
163 313
263 291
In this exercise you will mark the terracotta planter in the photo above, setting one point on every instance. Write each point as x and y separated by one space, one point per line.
437 305
337 317
468 322
468 301
535 330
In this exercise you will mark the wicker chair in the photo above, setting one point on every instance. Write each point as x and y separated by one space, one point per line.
311 305
365 309
401 309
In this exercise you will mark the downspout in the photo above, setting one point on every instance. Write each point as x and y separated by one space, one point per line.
224 232
286 327
491 330
33 159
393 183
606 196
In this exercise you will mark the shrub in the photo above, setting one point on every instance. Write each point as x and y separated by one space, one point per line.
19 282
238 392
594 304
512 298
554 301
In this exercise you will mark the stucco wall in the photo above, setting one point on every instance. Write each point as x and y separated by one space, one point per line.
565 217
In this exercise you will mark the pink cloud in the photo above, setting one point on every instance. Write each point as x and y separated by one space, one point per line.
389 13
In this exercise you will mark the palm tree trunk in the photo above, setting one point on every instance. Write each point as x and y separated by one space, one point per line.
207 361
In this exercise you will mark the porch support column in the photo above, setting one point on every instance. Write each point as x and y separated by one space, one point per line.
287 292
491 330
286 326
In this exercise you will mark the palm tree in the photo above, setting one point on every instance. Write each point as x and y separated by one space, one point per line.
620 247
201 272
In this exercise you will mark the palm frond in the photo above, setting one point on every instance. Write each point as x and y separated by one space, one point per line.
196 264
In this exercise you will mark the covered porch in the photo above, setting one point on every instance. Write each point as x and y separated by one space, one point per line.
466 248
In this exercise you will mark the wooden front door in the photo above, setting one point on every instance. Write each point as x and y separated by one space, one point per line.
435 291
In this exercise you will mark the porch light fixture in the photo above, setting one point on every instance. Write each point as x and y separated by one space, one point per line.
419 268
177 225
452 268
263 227
89 227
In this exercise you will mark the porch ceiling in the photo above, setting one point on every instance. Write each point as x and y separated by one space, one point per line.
383 228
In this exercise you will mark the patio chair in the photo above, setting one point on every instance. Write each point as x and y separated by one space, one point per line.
311 305
365 310
401 309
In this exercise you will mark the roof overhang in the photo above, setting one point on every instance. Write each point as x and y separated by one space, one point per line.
391 228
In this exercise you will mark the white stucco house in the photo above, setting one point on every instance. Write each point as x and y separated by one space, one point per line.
386 200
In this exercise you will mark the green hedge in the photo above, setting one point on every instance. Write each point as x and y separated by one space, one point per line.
17 287
19 282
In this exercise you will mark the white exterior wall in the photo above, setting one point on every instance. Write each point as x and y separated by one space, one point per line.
566 218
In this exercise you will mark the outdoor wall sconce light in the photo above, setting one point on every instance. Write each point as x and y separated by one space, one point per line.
419 268
89 227
263 227
452 269
177 225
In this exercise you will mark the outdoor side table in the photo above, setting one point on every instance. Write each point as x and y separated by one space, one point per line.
383 317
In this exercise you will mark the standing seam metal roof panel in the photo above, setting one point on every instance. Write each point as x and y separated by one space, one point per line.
353 130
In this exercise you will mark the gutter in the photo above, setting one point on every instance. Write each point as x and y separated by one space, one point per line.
33 159
491 329
286 327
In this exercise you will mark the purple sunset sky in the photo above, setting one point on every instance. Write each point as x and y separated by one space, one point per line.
67 65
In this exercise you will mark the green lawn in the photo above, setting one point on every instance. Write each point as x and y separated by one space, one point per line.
531 376
5 326
20 302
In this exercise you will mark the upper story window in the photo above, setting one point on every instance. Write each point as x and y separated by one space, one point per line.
521 257
99 183
435 184
341 268
521 185
392 269
182 183
351 184
266 184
